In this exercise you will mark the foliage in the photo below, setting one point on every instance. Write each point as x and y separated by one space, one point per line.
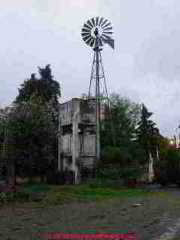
110 183
34 188
45 87
31 126
115 155
32 138
120 121
116 172
27 192
168 168
118 133
6 197
129 155
63 194
147 132
91 192
3 197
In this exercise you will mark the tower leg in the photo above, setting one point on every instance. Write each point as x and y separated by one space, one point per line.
97 107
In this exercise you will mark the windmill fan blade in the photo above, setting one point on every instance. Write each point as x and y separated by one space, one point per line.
93 22
85 34
92 42
105 21
108 32
89 22
104 30
89 41
82 32
104 36
97 20
86 30
109 28
87 26
108 24
86 38
101 19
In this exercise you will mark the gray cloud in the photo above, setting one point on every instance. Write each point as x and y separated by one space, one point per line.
145 65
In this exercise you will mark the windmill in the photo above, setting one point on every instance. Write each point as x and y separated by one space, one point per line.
96 32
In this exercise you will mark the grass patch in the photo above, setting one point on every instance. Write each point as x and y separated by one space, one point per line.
54 195
36 188
84 193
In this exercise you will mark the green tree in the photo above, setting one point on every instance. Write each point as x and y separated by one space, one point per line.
168 168
2 140
45 87
31 138
120 121
32 126
118 133
147 133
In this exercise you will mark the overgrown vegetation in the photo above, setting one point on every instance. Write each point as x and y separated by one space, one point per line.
168 168
29 128
44 194
29 138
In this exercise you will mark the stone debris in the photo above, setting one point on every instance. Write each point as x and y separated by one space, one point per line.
137 204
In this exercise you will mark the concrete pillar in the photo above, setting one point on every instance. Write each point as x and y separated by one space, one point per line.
59 146
150 168
75 150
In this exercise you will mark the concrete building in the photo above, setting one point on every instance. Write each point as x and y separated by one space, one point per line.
77 137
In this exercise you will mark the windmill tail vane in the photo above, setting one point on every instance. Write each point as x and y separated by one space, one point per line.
109 41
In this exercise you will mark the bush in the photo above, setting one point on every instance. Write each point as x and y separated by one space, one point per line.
6 197
56 177
168 168
115 155
22 196
98 182
51 177
60 177
3 197
116 174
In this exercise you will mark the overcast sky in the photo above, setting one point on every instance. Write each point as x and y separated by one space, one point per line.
145 65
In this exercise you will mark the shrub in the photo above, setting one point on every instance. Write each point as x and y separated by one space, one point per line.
98 182
115 155
6 197
3 197
22 196
168 168
115 174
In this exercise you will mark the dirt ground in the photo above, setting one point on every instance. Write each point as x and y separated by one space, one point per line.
154 215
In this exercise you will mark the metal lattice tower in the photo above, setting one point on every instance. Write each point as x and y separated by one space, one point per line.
96 32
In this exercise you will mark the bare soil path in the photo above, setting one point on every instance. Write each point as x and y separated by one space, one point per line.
149 216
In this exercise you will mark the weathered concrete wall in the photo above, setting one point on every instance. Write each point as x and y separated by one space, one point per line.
77 135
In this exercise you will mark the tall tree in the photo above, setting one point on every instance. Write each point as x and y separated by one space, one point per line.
45 87
147 136
31 138
119 124
147 132
3 123
33 124
122 118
